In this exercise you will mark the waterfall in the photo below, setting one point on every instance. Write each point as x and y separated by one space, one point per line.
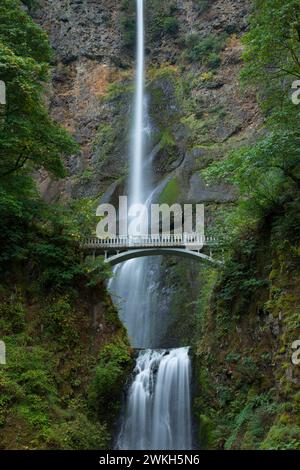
157 412
136 191
158 415
134 283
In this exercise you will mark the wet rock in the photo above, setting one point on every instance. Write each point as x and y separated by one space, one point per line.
201 192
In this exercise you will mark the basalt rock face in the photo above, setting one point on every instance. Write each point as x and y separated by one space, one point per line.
86 39
83 28
196 109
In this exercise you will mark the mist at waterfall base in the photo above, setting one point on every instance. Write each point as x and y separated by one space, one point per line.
157 414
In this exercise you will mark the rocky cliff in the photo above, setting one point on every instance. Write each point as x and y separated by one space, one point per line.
196 107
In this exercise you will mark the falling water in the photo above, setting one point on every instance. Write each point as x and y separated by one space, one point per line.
139 120
158 415
157 412
134 285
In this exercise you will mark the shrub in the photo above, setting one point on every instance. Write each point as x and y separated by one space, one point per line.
110 375
282 437
128 26
202 5
78 434
162 19
128 23
204 50
12 316
170 25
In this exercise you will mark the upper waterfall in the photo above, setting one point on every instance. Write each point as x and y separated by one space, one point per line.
136 191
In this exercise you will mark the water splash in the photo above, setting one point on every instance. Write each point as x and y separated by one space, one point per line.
158 415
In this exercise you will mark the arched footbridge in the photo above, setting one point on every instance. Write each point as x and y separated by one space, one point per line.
120 249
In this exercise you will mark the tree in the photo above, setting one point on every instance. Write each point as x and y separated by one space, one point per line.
29 140
29 136
267 174
273 42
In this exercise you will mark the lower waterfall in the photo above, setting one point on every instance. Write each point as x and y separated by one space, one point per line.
158 409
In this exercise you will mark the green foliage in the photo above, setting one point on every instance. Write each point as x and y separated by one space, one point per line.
262 240
30 140
162 19
204 50
170 25
111 373
29 137
59 320
78 433
47 330
202 5
12 316
37 383
263 172
266 175
248 370
96 270
273 42
128 23
205 432
282 437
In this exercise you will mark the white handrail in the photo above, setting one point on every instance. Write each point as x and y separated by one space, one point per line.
150 240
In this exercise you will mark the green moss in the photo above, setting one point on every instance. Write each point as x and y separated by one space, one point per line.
171 193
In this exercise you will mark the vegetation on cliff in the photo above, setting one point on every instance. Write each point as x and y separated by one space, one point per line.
250 316
56 317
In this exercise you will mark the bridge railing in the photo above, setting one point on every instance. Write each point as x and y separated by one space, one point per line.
120 242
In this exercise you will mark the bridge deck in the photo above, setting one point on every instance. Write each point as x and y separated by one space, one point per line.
124 243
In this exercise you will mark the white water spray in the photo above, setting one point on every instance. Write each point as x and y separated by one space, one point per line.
158 415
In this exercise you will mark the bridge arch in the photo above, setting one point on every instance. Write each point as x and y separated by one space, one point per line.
140 253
